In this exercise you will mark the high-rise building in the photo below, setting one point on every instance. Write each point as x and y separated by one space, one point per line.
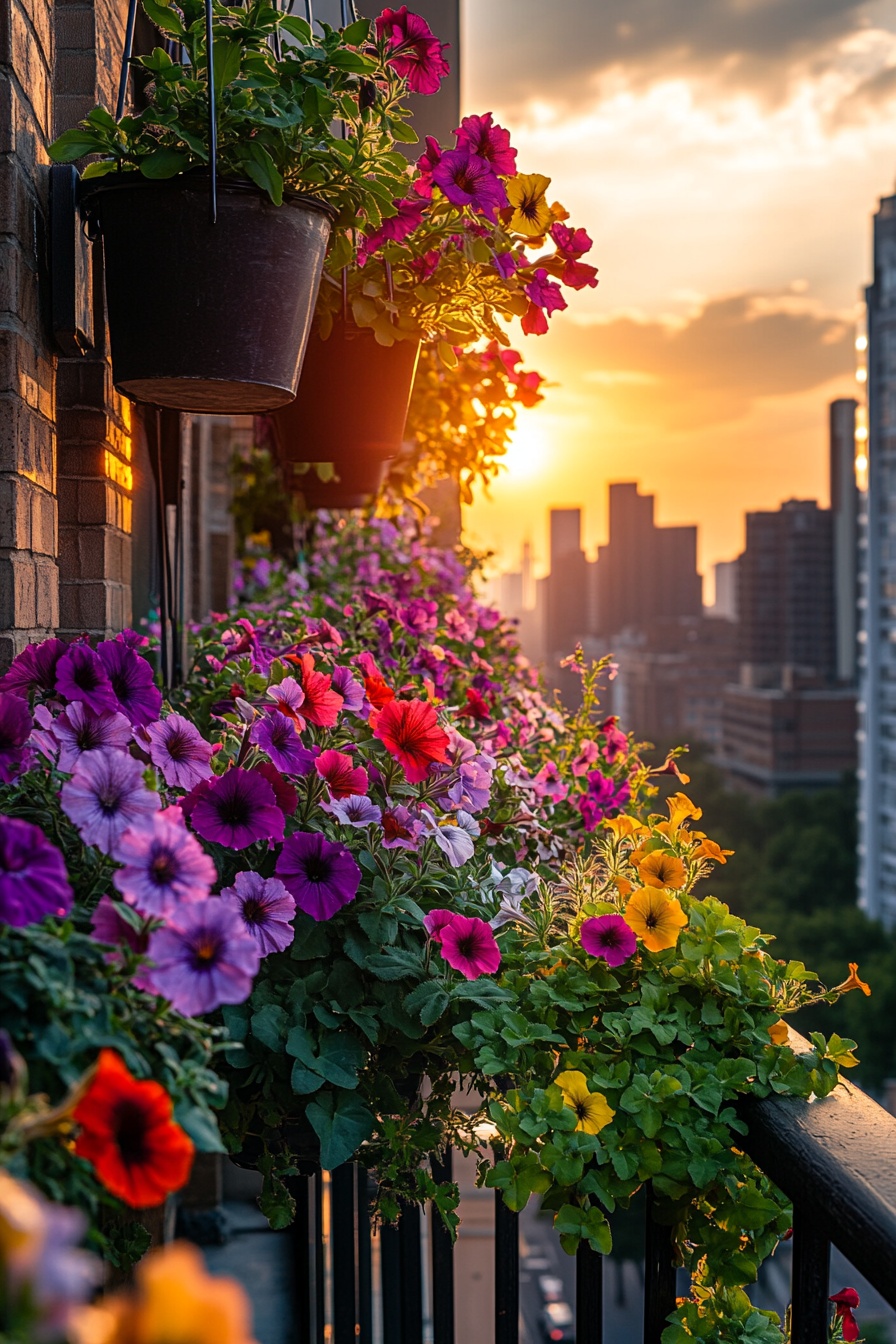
644 572
726 606
567 589
844 514
877 590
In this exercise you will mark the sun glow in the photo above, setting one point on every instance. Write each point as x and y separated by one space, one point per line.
527 455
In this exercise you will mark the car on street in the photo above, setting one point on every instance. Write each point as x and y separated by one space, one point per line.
556 1322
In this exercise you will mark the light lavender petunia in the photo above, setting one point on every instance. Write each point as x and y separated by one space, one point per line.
180 751
266 907
204 957
105 796
163 865
355 810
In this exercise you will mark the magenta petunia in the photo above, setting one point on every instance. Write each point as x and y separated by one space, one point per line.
545 293
105 796
481 136
33 879
78 729
342 776
266 908
425 167
111 926
413 50
15 729
34 669
277 736
81 675
435 922
179 750
203 957
322 876
132 681
285 794
237 809
163 865
409 214
466 179
608 937
468 944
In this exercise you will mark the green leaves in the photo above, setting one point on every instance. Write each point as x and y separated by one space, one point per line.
164 163
259 165
334 1057
342 1124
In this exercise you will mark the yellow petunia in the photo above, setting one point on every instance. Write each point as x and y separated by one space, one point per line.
531 212
593 1112
853 982
708 849
779 1032
656 918
680 809
658 869
623 827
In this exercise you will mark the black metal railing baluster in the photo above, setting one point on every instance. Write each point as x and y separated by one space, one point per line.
589 1296
659 1274
302 1250
390 1283
809 1285
365 1258
442 1248
411 1274
320 1316
507 1273
342 1241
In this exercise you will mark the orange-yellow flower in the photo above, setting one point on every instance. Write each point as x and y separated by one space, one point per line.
680 809
175 1302
656 918
592 1109
708 849
659 869
779 1032
531 212
853 982
623 827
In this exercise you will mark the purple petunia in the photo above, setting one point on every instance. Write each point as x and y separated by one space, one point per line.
236 809
266 908
605 797
33 879
78 729
350 689
180 751
112 927
81 675
278 737
204 957
132 681
15 728
163 865
402 829
105 796
467 179
355 810
608 937
322 876
34 669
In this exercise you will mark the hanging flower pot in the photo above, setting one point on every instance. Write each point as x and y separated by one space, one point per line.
351 405
359 488
207 317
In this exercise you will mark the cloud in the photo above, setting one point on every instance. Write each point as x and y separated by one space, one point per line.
711 367
759 46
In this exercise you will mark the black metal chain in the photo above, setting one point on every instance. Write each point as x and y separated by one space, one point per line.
126 60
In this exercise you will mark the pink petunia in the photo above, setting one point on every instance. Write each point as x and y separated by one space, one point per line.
467 179
481 136
413 50
468 944
342 776
609 938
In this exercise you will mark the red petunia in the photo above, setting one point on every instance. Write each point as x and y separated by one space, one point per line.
321 704
845 1301
378 691
410 732
342 775
128 1133
476 707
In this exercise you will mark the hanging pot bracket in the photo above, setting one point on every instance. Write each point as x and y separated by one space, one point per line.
72 307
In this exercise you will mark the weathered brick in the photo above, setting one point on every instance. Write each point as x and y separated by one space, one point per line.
43 523
26 442
75 28
15 513
82 382
19 294
83 606
17 203
46 595
17 592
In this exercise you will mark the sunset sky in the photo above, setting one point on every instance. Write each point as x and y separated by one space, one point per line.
726 157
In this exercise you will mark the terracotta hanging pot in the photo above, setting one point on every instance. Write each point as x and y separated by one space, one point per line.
351 405
207 317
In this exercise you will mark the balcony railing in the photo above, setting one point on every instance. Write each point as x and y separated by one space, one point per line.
834 1158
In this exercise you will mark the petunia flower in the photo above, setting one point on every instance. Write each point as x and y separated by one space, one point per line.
322 876
285 794
455 839
414 52
15 728
468 944
543 292
131 678
401 829
78 729
81 675
129 1134
34 669
608 937
515 886
105 796
342 776
588 754
288 697
351 690
355 810
33 879
466 179
490 142
659 869
779 1032
845 1301
47 1276
852 982
591 1108
436 921
531 212
163 865
266 908
615 741
426 165
111 927
237 809
179 750
603 798
708 849
549 784
203 957
410 731
322 704
278 737
656 918
409 215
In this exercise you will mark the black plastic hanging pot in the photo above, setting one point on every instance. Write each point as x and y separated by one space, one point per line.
207 317
351 405
356 490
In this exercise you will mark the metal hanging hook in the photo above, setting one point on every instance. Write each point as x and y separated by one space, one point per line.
126 60
212 117
309 14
